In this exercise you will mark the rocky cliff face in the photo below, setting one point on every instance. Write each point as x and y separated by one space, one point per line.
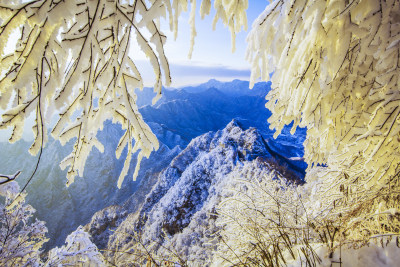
179 210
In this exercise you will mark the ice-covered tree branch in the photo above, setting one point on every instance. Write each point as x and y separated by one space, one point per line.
8 178
335 70
71 61
336 73
21 237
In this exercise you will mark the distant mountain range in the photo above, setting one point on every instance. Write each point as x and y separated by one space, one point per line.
178 117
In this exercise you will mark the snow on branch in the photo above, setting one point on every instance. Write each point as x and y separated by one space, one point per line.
78 248
21 237
335 70
71 61
8 178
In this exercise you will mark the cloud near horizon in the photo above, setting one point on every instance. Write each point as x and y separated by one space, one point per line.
203 70
193 73
184 75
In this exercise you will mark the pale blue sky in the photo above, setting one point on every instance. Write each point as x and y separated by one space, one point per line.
212 56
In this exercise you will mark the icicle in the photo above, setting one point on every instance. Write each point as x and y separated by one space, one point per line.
192 23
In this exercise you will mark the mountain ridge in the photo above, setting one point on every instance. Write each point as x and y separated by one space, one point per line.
180 206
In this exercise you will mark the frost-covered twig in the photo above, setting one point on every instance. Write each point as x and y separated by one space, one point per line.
8 178
21 237
71 61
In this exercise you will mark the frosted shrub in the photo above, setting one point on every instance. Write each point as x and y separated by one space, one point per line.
272 221
78 251
140 252
21 237
264 223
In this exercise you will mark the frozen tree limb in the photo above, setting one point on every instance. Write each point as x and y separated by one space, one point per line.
334 68
8 178
71 61
21 237
335 71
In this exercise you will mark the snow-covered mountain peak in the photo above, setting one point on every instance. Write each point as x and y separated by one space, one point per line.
249 143
233 140
233 123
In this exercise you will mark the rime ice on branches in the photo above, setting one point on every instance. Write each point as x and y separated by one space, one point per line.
71 61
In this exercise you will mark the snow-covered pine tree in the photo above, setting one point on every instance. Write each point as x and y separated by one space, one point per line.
71 61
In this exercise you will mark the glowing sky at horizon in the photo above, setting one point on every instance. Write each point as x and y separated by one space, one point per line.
212 55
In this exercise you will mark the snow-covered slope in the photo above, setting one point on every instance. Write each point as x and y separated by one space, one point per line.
179 211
